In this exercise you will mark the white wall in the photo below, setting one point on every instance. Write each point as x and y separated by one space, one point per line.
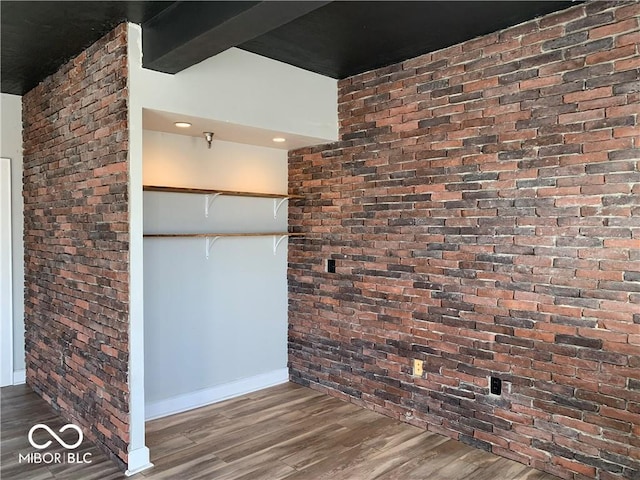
210 323
139 457
6 276
11 147
236 87
179 160
243 88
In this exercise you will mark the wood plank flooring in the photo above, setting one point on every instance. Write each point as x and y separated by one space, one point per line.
286 432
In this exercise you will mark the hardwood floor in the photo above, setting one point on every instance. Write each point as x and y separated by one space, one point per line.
282 433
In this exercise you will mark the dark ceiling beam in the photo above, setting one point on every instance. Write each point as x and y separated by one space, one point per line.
189 32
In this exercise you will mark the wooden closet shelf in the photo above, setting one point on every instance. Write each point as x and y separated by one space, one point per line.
208 191
207 235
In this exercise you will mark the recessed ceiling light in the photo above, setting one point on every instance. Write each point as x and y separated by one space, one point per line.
279 139
182 124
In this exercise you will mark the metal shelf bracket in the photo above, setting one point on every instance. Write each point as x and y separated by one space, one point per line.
277 241
277 204
209 241
208 202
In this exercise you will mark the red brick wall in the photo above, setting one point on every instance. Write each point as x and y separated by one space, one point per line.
483 209
76 238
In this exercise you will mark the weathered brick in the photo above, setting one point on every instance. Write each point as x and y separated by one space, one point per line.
566 40
75 184
522 263
590 21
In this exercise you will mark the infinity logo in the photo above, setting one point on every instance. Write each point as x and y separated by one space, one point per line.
53 434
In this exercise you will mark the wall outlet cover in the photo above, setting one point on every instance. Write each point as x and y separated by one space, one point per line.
331 265
418 368
495 386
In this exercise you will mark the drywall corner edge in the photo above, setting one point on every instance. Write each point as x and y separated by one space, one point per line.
138 453
6 287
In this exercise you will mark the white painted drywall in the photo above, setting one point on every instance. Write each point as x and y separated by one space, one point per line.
243 88
186 161
139 455
211 322
11 147
6 277
236 87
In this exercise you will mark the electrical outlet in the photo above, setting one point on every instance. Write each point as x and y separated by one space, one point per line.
331 265
418 368
495 385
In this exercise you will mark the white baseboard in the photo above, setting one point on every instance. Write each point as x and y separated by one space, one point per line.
19 377
138 461
200 398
